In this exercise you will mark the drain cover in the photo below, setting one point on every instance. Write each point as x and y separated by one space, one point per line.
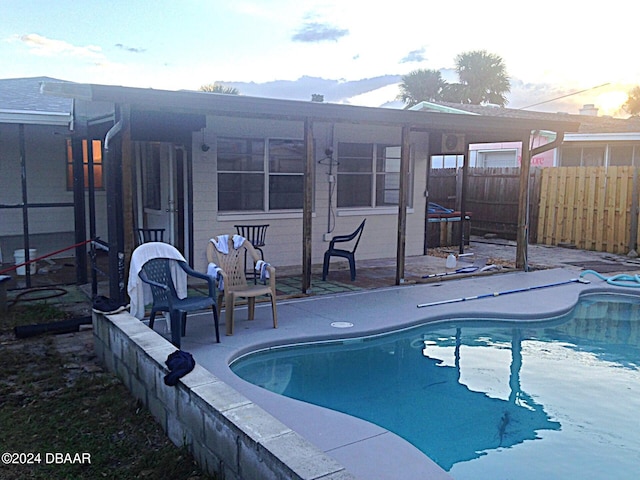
342 324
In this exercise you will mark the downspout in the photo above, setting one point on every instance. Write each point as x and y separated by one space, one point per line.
116 257
113 131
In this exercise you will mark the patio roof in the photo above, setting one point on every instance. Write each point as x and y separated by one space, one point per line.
478 127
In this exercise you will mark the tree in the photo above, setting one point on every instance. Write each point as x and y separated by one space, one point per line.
484 78
219 88
421 85
632 105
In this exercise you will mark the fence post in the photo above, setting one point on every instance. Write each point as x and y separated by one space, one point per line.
633 234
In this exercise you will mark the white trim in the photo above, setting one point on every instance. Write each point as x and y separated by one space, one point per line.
240 217
370 211
35 117
602 137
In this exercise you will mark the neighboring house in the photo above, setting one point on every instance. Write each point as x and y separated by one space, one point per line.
37 205
199 163
600 141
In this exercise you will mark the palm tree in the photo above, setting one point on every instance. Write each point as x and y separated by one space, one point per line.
421 85
484 77
632 105
219 88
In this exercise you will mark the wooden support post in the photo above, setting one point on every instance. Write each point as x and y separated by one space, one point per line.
402 203
522 237
633 233
307 206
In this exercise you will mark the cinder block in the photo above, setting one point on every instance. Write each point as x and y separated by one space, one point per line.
158 410
164 393
177 432
138 390
123 373
190 415
146 371
100 326
220 437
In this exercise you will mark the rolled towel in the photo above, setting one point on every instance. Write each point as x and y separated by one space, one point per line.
261 268
215 272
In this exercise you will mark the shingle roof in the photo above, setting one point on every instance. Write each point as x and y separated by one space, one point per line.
23 94
588 123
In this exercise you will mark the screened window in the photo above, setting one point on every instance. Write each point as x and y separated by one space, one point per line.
582 156
621 155
96 151
260 175
368 175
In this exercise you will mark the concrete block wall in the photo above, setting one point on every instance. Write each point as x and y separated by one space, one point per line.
227 434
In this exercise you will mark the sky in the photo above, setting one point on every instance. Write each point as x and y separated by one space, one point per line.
551 48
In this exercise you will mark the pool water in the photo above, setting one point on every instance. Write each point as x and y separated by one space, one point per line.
487 399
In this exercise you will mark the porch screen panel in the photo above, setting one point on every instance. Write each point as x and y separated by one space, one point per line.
621 155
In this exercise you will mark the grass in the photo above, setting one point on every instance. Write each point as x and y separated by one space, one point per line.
54 398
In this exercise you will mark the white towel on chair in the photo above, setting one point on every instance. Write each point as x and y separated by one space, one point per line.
221 242
215 272
139 292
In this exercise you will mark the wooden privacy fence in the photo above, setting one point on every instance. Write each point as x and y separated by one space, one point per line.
492 198
589 207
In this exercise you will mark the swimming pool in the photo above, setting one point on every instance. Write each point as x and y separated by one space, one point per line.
486 399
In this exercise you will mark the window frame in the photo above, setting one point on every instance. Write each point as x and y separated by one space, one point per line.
375 173
266 171
98 166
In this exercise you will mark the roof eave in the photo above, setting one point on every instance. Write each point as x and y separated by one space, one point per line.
240 105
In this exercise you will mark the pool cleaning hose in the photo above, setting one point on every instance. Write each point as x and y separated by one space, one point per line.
506 292
621 280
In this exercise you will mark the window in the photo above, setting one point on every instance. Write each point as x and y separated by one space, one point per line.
97 164
582 156
621 155
260 175
368 175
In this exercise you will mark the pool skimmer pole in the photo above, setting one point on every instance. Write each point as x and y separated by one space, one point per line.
506 292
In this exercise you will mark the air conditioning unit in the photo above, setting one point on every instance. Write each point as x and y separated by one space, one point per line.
453 143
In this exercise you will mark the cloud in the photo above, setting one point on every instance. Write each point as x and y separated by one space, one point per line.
318 32
44 46
130 49
414 56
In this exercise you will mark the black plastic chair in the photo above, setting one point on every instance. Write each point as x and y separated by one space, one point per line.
256 234
157 273
348 254
146 235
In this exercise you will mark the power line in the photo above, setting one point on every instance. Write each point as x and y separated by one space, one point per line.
564 96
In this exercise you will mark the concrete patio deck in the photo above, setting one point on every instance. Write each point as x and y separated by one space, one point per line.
366 450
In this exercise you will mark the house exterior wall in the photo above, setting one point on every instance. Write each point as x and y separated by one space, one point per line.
284 235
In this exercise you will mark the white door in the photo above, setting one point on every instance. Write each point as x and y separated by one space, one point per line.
157 195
